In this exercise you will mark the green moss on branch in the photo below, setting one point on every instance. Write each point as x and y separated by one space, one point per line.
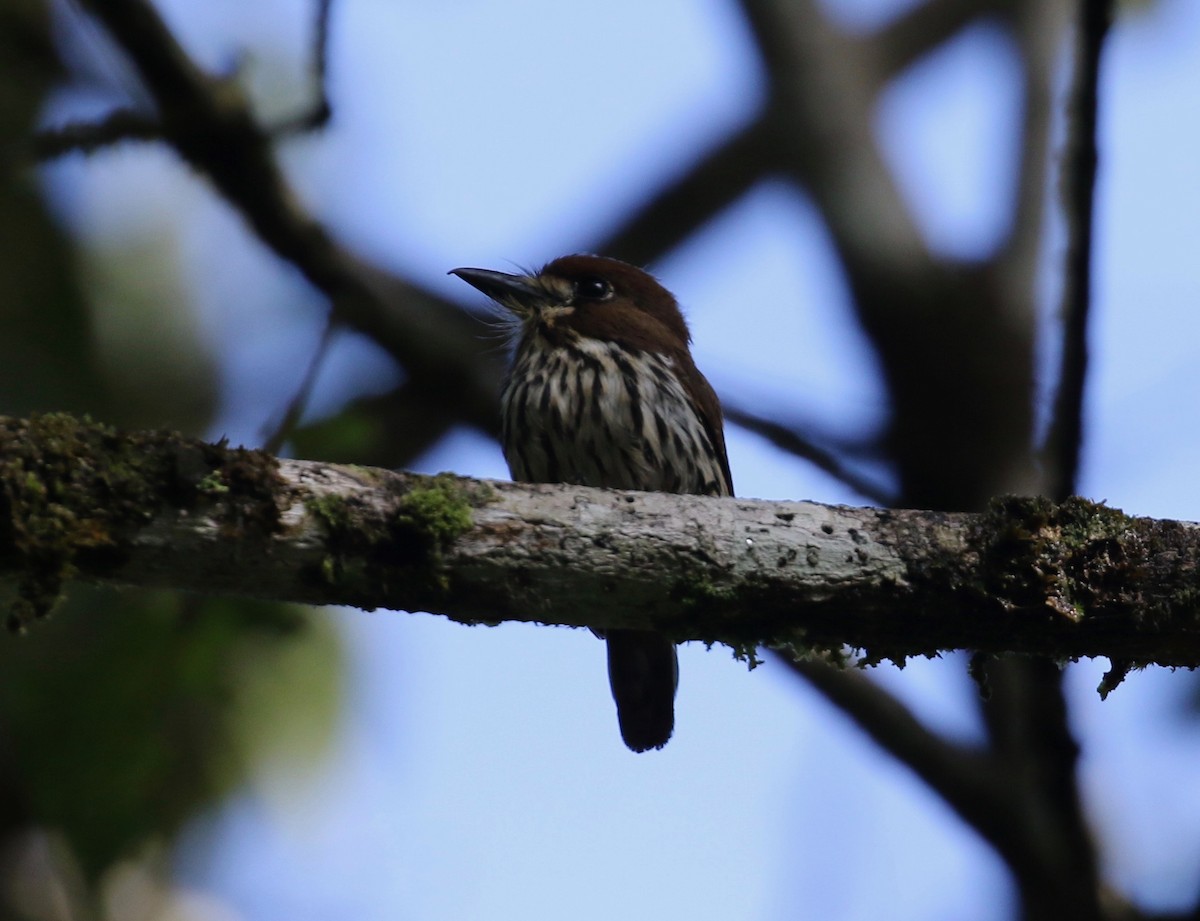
72 492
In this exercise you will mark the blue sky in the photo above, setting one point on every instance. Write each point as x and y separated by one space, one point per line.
478 772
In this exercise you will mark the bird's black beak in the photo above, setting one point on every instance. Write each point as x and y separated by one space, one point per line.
518 293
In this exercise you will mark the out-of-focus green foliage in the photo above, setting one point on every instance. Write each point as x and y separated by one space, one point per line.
355 435
46 356
382 431
126 713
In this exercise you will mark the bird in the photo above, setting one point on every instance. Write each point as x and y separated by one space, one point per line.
602 391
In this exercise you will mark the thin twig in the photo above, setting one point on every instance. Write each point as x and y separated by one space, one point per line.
1040 28
88 137
320 112
790 440
211 126
299 401
1064 441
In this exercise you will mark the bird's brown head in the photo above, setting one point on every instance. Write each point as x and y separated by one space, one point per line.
590 296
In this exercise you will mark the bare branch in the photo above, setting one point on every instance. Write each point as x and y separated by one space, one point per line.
677 209
792 441
82 501
1036 753
1040 27
211 126
971 781
319 113
723 175
830 148
1065 438
1026 713
959 774
88 137
1000 792
920 30
959 370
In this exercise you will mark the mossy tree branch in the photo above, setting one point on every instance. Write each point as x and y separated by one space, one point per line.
79 501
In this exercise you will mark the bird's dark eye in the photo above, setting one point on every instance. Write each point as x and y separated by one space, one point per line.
593 288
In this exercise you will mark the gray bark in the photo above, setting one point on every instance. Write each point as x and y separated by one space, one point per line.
84 503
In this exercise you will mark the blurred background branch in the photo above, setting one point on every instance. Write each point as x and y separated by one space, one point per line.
375 365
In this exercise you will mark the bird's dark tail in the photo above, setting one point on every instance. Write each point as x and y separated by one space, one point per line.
643 671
